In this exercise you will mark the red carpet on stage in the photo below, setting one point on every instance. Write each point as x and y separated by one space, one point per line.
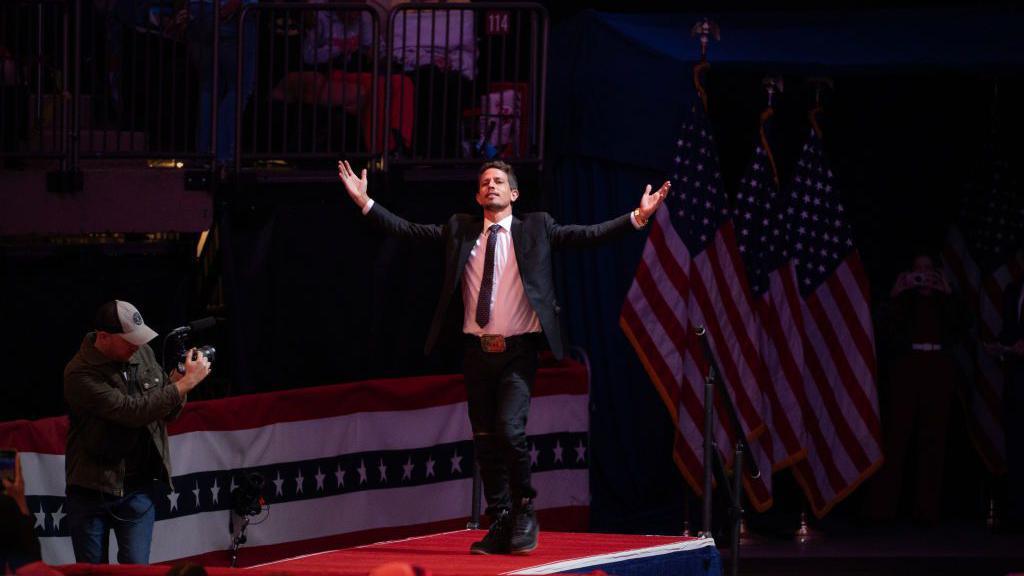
447 554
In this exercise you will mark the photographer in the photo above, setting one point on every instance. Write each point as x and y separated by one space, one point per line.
919 327
119 400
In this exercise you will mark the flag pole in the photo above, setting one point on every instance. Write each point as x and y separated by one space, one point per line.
805 533
704 30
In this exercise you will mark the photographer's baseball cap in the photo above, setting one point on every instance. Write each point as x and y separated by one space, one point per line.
121 318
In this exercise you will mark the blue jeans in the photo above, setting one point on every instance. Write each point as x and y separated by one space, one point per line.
200 50
91 515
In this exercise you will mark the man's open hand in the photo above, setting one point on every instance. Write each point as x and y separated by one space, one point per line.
355 185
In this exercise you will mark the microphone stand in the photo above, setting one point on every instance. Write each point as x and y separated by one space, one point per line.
713 383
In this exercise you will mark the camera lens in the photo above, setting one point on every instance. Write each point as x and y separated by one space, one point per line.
209 352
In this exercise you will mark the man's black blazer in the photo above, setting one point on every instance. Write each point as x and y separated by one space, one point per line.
533 237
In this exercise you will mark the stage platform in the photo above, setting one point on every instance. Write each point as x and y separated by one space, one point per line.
447 554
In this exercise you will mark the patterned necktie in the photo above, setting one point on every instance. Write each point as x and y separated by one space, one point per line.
483 301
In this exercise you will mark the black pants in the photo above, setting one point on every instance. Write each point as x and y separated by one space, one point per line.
498 387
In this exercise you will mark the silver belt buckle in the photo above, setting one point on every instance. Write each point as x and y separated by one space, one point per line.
492 343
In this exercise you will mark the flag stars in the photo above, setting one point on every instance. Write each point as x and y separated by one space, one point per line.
339 476
319 479
57 517
456 461
430 466
299 481
172 499
534 454
407 469
558 451
195 492
279 484
362 472
581 451
383 469
215 492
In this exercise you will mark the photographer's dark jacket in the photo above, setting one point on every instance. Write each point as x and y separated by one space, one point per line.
118 413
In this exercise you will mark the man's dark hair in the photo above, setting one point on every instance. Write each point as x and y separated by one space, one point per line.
504 167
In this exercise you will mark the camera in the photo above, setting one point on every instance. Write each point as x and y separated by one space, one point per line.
209 351
917 279
247 498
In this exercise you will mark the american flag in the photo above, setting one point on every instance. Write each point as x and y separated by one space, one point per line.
983 255
764 245
691 273
840 411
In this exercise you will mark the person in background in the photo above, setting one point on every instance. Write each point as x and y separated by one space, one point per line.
18 543
435 43
919 326
200 16
338 48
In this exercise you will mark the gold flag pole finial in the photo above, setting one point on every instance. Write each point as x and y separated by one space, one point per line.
772 85
820 84
705 30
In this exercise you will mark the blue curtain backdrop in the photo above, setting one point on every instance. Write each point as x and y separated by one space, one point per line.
910 113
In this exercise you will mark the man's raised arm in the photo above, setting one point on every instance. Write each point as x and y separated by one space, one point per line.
356 187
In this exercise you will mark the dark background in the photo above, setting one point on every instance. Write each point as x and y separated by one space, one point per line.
313 296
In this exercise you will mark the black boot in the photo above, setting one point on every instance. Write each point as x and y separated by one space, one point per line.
496 539
524 528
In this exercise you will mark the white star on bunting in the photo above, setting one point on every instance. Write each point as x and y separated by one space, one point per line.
40 518
57 517
362 472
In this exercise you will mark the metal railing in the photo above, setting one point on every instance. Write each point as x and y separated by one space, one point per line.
87 79
313 72
474 77
35 113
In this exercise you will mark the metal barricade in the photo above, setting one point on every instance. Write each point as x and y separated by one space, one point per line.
316 88
188 79
143 65
466 82
34 74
